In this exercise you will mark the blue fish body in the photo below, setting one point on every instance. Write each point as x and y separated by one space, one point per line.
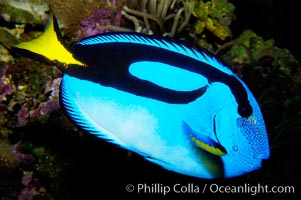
174 105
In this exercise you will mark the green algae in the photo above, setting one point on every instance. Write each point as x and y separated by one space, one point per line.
24 11
214 16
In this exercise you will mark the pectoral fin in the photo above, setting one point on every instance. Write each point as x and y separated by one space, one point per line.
204 142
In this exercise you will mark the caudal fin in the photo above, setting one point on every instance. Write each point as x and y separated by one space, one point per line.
49 47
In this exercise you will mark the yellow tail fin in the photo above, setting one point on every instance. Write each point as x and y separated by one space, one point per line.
49 46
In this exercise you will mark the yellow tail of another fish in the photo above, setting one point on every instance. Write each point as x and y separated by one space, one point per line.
49 46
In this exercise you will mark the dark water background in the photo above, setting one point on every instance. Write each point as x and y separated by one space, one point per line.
277 19
95 169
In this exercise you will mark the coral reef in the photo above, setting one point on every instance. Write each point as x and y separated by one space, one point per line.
7 157
31 11
100 21
149 17
9 36
194 19
31 161
263 55
214 16
28 92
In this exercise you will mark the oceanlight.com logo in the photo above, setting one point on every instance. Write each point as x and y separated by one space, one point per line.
191 188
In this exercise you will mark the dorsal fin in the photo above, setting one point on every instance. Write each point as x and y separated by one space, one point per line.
136 38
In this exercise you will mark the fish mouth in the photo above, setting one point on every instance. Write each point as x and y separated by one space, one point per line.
264 157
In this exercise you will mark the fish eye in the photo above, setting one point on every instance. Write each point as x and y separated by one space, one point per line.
245 110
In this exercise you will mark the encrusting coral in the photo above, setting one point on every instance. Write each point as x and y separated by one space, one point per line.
29 90
7 157
214 16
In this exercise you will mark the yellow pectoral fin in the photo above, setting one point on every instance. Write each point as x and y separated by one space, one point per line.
49 46
210 146
203 141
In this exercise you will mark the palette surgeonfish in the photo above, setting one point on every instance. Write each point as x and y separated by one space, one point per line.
173 104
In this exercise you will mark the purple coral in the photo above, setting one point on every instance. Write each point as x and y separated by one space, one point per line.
101 17
23 115
25 160
5 87
52 104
